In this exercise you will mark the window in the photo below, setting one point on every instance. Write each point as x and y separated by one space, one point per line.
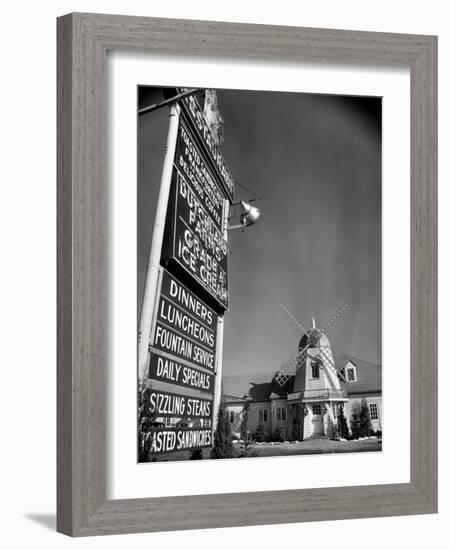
350 371
263 415
316 409
281 413
373 412
315 370
231 417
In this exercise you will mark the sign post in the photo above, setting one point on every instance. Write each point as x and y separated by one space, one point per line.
149 292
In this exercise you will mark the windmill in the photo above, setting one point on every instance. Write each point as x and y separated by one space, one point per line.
313 344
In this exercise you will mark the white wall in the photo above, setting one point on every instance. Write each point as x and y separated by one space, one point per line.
28 267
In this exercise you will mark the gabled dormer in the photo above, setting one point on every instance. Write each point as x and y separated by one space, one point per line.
350 372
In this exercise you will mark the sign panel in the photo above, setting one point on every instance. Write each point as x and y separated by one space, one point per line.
194 232
179 294
197 244
172 405
168 370
182 347
195 170
195 114
167 440
175 317
185 326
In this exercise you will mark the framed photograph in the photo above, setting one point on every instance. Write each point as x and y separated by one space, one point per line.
247 279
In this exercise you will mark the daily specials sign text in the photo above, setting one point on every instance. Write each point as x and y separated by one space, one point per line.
167 370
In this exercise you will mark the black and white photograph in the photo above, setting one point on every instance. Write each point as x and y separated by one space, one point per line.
222 249
259 274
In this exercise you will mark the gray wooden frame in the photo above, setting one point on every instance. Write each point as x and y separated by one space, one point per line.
83 40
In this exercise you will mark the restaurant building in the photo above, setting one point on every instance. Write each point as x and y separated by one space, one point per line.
308 403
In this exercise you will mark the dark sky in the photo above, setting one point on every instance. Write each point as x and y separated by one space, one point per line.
316 161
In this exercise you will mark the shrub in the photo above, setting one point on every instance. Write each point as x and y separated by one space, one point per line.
278 435
332 429
342 424
260 435
197 454
146 422
355 421
365 419
296 429
245 450
222 436
244 433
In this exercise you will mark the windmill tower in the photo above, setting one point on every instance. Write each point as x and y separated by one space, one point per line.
317 392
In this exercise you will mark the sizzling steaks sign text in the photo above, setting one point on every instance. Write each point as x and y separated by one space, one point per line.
178 406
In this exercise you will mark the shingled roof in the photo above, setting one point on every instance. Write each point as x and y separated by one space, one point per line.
257 387
369 375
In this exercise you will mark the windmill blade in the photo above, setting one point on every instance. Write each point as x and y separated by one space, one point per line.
302 354
329 378
286 370
281 378
292 318
335 317
287 365
326 357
